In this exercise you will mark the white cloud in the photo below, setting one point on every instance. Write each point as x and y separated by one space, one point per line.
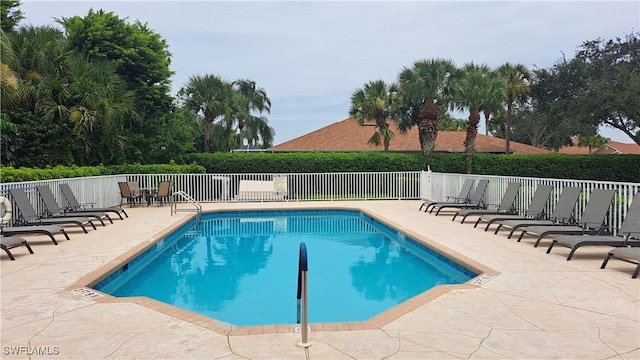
311 55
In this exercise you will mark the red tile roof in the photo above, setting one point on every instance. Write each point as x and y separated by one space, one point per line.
611 147
347 135
624 148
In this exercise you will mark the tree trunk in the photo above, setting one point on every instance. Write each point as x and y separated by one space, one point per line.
428 128
240 134
486 122
207 134
470 140
507 130
384 132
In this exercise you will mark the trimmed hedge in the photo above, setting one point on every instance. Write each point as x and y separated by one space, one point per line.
157 169
307 162
622 168
9 174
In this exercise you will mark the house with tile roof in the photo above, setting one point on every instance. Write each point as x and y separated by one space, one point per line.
611 147
349 136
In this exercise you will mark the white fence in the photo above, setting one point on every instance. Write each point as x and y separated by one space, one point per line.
103 190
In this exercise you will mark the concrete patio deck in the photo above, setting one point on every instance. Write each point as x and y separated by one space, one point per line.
538 306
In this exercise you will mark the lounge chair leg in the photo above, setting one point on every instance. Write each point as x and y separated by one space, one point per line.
521 235
454 217
604 263
53 239
8 253
497 229
551 246
538 240
635 273
573 250
477 222
511 233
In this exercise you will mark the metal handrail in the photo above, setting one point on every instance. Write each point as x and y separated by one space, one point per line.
189 200
302 296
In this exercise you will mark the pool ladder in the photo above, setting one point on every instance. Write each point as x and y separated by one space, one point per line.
302 296
197 208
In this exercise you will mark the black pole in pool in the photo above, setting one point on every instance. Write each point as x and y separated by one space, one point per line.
302 295
302 266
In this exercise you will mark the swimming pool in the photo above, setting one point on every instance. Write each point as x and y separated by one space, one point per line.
241 267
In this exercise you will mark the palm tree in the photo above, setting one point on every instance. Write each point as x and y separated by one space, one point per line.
376 101
425 92
248 98
66 89
40 50
210 95
90 95
596 141
223 138
516 78
258 132
494 104
28 56
9 79
11 15
475 91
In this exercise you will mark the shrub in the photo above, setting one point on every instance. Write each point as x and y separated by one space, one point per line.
621 168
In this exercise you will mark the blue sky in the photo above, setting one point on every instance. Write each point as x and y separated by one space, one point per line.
311 55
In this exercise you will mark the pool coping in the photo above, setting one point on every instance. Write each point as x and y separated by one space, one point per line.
83 286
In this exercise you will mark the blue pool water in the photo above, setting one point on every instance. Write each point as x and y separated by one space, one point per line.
241 267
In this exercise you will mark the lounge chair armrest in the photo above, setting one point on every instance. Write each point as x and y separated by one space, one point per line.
593 225
605 230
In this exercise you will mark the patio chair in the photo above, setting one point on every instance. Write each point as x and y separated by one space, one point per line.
74 204
134 187
474 202
627 254
561 215
10 242
48 230
535 210
462 198
629 229
29 216
53 210
591 222
505 207
163 193
126 192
